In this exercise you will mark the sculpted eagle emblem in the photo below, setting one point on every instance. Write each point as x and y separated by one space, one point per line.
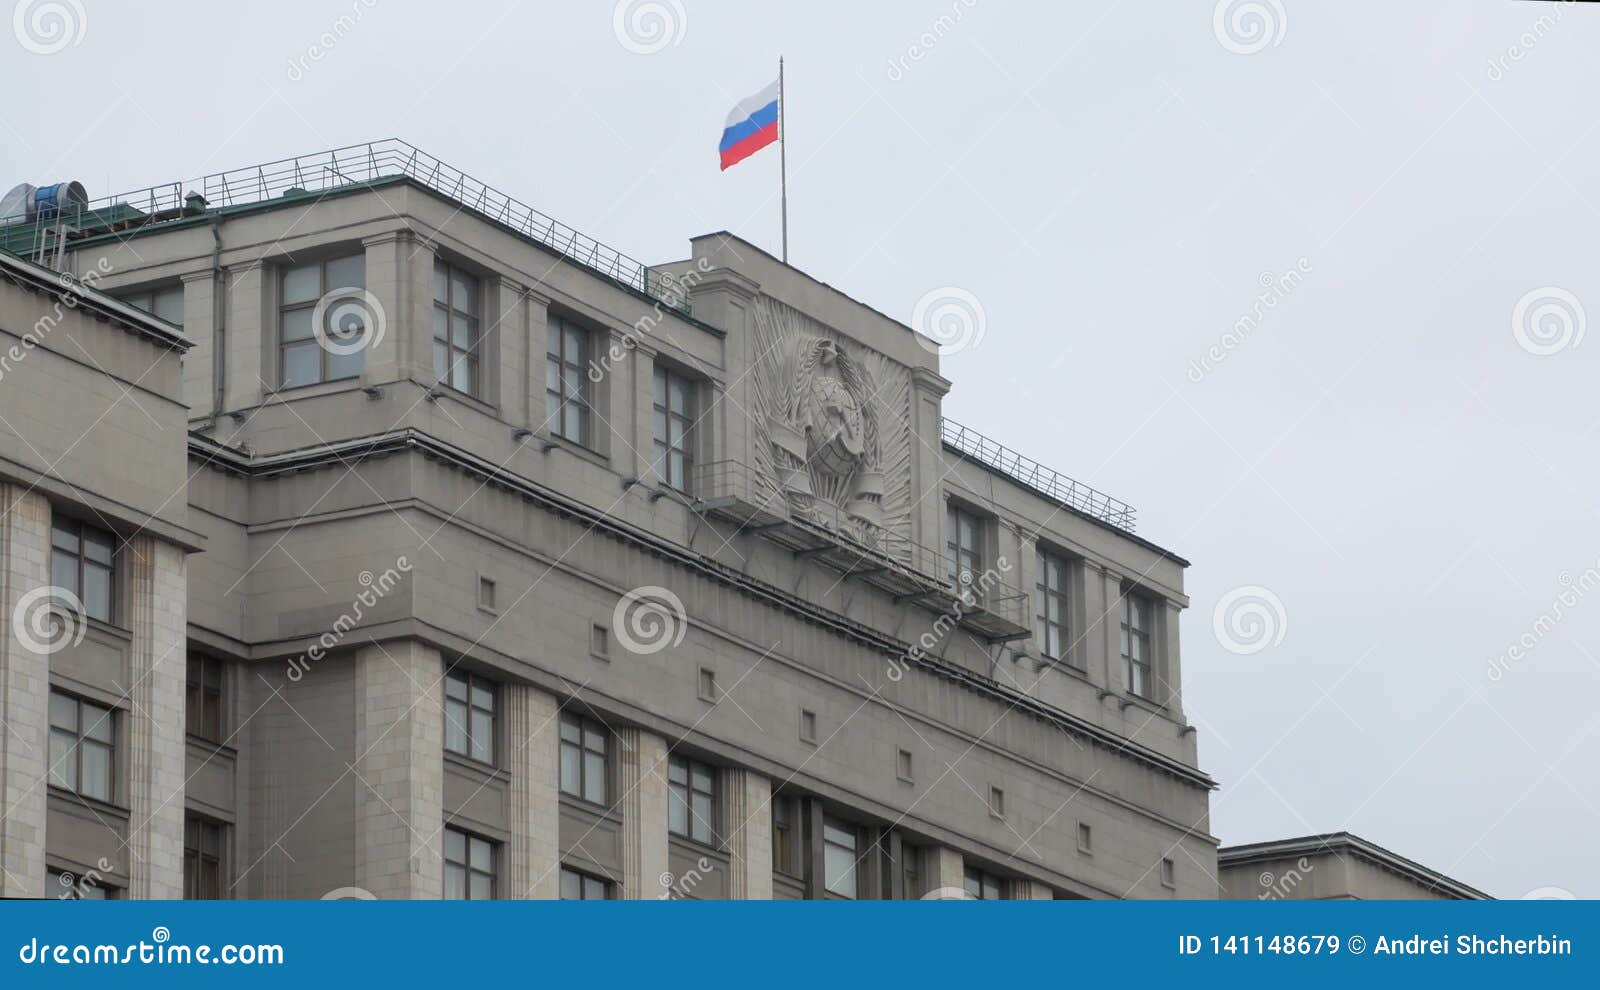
827 446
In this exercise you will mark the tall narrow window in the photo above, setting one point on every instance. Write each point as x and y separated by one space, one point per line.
839 842
203 704
583 758
339 350
82 746
455 328
982 885
910 871
469 866
469 707
577 886
963 532
566 381
165 304
785 842
674 420
202 858
1136 655
691 799
81 562
1050 606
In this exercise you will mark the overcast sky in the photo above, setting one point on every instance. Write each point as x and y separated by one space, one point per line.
1395 460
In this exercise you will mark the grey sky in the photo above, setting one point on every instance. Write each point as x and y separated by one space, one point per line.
1111 183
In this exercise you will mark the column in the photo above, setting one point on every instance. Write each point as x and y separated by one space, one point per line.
642 780
24 694
399 761
749 800
1171 673
157 618
947 878
1031 890
250 336
400 279
536 320
532 735
505 351
1111 673
199 325
928 389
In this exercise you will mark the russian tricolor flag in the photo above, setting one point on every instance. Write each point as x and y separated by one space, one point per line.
751 126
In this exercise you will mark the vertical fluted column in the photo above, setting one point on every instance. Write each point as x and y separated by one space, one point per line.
157 603
532 726
24 693
749 800
642 784
400 766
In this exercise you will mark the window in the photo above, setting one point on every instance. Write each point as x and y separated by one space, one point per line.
71 887
599 641
339 351
202 859
691 799
674 418
808 726
911 874
576 886
902 765
566 381
1085 837
1136 643
165 304
997 802
82 753
708 685
469 716
583 759
983 886
785 841
839 844
81 558
469 866
961 546
1050 606
486 594
203 705
1169 873
455 328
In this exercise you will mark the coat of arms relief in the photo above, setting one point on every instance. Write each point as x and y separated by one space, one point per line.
833 435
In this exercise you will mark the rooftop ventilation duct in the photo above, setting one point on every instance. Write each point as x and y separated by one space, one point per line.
28 202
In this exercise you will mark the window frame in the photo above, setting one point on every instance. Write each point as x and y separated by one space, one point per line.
199 692
1046 593
284 308
563 364
686 791
454 352
985 881
79 741
195 855
662 419
837 825
473 683
469 867
957 549
149 294
1144 636
587 728
787 847
83 880
80 531
584 878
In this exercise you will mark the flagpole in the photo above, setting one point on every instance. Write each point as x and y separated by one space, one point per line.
783 162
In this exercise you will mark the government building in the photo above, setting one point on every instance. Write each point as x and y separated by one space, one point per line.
368 533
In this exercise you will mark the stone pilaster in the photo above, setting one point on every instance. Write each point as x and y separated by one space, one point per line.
749 801
199 325
24 694
1112 674
249 336
536 327
399 275
532 737
1031 890
947 876
642 783
400 762
157 608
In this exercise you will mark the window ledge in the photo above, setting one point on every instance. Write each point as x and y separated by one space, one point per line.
1139 701
698 845
93 804
333 386
476 766
600 810
444 390
211 746
574 447
102 626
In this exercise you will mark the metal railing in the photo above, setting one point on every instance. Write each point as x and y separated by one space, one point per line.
326 171
1045 481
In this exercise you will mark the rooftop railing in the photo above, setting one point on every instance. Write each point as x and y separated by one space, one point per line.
1045 481
326 171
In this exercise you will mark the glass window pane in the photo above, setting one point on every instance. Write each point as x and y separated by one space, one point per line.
441 324
346 365
440 282
455 846
64 571
455 686
680 396
594 890
96 771
571 771
64 537
460 330
455 726
441 361
483 696
63 761
571 886
839 870
677 812
700 822
678 771
461 373
571 425
464 292
482 736
97 591
63 712
702 778
302 365
455 882
570 731
347 272
297 324
96 723
97 546
302 284
594 778
553 341
482 854
573 344
169 306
